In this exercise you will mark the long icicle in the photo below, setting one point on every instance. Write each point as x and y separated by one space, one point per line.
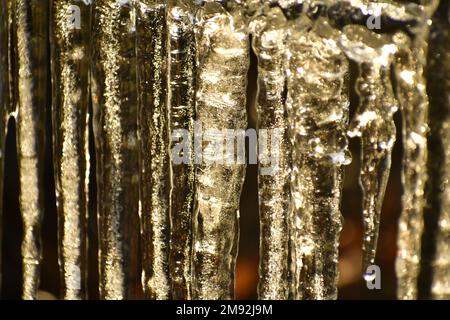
11 61
223 61
317 104
409 65
70 39
373 122
115 126
181 105
31 18
269 33
155 174
411 93
436 258
4 103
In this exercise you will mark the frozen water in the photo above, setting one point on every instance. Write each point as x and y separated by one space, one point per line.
156 66
70 76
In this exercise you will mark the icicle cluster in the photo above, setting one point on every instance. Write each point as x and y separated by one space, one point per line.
160 74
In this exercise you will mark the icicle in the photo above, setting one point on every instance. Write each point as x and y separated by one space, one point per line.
373 122
4 102
155 174
31 20
274 198
223 60
181 99
414 104
70 76
12 49
317 104
409 64
437 215
115 127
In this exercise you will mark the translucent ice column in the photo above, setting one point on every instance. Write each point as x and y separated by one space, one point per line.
4 99
223 59
154 161
181 105
317 107
10 62
373 122
436 258
269 35
70 39
115 127
31 65
409 65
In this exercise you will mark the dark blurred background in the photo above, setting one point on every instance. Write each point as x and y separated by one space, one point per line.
351 284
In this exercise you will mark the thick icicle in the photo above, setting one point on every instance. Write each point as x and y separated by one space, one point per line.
269 33
317 105
223 60
31 23
409 65
373 122
411 93
4 101
115 126
438 189
181 105
154 160
70 40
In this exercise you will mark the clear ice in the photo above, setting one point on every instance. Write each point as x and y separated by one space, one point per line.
31 76
161 71
4 100
181 107
373 123
409 65
114 98
317 109
437 213
154 161
222 43
269 33
70 78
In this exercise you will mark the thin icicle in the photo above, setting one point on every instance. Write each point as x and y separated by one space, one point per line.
409 64
70 40
12 105
317 104
115 126
373 122
155 173
223 60
269 33
181 105
31 22
4 102
438 189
